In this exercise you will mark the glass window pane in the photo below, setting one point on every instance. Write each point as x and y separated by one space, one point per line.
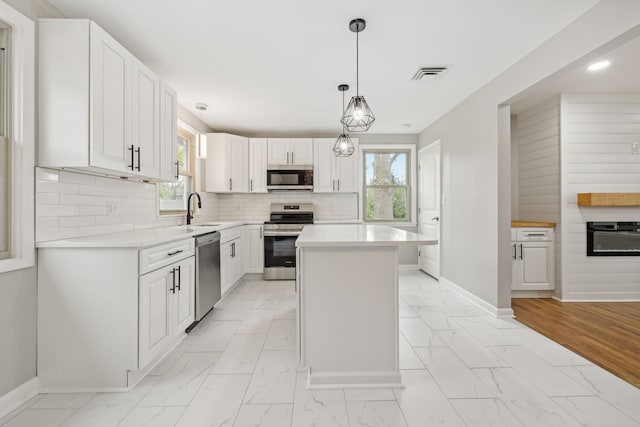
386 204
173 195
183 154
386 168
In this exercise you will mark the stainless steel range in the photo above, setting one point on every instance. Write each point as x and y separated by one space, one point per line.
280 234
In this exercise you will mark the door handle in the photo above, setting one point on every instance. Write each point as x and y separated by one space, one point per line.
333 186
179 279
138 151
251 185
173 288
292 153
514 252
131 149
338 184
520 250
435 218
229 184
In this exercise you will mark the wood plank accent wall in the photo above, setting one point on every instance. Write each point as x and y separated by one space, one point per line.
597 134
538 145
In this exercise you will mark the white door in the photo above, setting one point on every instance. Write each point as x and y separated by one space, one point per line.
146 110
238 168
301 151
255 249
258 165
111 146
154 324
278 151
536 263
347 171
323 165
184 296
429 207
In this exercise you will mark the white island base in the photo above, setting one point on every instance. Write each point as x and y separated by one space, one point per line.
348 304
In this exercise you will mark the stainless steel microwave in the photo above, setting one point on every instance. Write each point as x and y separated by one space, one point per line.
290 177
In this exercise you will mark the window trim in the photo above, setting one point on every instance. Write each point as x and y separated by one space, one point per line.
21 140
411 148
190 134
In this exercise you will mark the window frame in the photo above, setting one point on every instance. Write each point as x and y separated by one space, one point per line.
191 135
21 140
410 149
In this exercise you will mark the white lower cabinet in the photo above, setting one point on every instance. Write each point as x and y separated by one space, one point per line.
166 307
232 257
533 259
107 314
255 249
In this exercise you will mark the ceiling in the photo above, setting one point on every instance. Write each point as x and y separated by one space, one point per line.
272 67
622 76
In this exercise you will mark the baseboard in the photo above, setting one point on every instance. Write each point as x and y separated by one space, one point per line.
489 308
18 396
361 380
408 267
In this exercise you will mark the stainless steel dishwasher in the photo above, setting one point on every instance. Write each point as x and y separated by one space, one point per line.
207 274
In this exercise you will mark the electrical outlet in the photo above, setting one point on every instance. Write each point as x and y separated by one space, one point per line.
112 207
635 148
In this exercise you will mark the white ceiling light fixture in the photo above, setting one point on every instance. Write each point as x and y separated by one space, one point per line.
600 65
358 117
201 142
344 145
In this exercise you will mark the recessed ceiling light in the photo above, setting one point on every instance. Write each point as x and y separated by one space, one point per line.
201 106
600 65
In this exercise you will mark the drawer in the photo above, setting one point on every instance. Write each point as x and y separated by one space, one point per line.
534 234
231 234
162 255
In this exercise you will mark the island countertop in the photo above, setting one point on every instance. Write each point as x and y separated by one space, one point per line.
359 235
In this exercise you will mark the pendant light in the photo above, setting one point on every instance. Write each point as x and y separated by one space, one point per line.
358 117
343 146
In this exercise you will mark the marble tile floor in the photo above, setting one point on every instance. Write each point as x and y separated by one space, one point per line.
460 367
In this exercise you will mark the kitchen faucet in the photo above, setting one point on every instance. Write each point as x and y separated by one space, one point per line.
189 216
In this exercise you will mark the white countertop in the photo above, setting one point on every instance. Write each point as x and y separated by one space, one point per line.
143 238
359 235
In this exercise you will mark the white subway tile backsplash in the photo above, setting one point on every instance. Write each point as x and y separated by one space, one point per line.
56 187
47 222
93 190
56 210
77 199
77 221
92 210
77 178
47 198
47 174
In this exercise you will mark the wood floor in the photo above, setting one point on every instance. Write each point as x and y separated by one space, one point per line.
607 334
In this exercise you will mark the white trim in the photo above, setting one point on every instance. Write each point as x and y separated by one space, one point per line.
18 396
408 267
413 220
362 380
489 308
22 139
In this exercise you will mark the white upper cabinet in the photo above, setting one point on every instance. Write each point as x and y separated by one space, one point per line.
227 163
290 151
168 133
257 165
333 174
99 105
146 120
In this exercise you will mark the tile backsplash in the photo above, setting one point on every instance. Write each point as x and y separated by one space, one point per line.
70 204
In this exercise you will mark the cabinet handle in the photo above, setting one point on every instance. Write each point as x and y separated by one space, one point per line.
514 252
251 185
333 185
175 253
536 234
131 149
233 246
520 250
177 170
173 288
292 153
287 157
179 280
261 232
231 250
229 184
338 184
138 151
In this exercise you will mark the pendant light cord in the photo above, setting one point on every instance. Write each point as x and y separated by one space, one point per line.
357 63
344 128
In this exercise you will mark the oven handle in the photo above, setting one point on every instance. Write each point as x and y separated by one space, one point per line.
281 233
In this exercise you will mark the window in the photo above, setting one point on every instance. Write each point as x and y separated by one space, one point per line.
5 154
173 196
388 190
17 147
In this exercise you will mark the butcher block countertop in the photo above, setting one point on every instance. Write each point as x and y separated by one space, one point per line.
532 224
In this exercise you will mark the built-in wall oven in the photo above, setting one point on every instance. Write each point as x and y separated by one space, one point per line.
280 234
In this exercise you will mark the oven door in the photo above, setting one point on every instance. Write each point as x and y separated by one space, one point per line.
280 255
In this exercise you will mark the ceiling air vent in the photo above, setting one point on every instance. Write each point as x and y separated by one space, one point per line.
429 73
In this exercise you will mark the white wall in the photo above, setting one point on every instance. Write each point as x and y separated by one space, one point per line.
475 220
597 133
18 288
537 138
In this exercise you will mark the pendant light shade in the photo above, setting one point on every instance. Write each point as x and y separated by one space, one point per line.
344 145
358 117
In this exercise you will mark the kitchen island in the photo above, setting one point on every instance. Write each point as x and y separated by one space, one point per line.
347 283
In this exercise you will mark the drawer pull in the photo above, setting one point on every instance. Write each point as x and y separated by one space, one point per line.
536 234
175 253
